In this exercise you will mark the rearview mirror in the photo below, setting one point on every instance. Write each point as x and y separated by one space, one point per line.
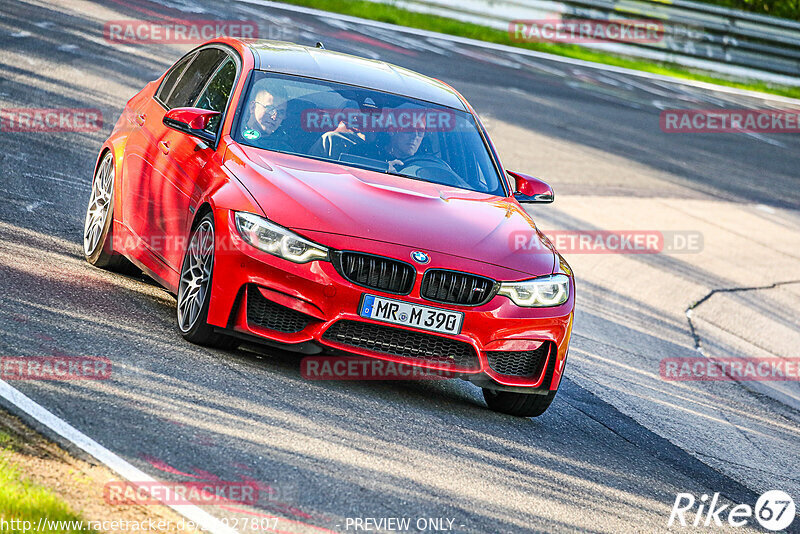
192 121
531 190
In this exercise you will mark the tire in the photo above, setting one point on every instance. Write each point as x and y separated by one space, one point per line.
518 404
194 288
98 226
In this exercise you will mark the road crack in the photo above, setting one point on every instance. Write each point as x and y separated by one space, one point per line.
697 341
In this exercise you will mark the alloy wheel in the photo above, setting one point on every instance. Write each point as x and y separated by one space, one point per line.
99 205
195 275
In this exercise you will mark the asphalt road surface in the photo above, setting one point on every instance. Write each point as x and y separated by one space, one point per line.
617 445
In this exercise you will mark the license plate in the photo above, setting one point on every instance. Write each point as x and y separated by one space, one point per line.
414 315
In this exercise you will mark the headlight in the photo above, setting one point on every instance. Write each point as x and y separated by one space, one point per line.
539 292
277 240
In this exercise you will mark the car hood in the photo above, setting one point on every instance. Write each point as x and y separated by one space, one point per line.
307 194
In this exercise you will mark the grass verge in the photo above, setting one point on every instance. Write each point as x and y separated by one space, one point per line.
25 501
402 17
40 480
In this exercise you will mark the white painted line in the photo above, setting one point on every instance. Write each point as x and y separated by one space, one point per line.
765 209
522 51
191 512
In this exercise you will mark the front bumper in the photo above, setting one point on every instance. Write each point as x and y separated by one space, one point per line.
312 305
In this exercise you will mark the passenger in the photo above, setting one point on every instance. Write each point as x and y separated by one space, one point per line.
398 144
342 140
346 139
266 112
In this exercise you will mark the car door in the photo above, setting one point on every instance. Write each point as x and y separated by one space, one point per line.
163 186
141 148
184 159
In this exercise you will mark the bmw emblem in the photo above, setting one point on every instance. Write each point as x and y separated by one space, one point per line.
420 257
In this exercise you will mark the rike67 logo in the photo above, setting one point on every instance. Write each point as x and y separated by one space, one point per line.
774 510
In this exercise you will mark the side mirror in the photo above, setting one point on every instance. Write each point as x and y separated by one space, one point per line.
531 190
192 121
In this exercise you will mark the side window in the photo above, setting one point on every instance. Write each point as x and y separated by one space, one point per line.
194 77
172 76
216 94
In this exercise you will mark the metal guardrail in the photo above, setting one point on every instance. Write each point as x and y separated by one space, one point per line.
712 32
691 29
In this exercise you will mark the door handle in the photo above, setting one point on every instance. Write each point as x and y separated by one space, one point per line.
140 118
164 146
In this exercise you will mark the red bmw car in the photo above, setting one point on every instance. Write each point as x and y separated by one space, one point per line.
316 200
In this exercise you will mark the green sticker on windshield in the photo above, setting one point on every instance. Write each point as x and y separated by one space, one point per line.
250 134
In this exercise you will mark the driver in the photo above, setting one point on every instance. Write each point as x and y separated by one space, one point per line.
266 112
403 143
403 156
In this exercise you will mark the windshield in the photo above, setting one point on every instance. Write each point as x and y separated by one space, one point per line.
367 129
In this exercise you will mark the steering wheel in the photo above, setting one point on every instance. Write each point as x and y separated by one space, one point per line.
432 168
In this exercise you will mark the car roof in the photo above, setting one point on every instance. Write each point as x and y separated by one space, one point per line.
291 58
